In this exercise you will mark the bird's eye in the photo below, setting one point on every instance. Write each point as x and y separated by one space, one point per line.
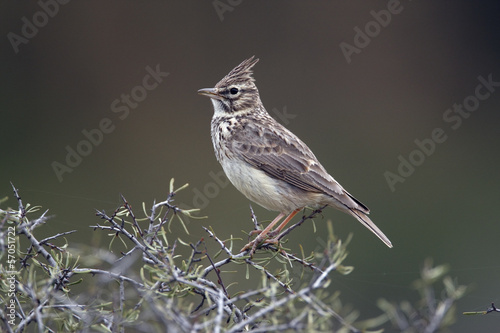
233 91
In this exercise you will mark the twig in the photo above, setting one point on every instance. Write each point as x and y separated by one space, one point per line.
112 275
269 275
217 272
245 296
22 210
221 243
304 218
263 312
129 210
439 315
121 229
43 241
254 219
301 261
492 308
62 277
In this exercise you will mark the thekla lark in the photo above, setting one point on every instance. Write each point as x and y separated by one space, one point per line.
266 162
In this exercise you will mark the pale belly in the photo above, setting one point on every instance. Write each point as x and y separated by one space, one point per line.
264 190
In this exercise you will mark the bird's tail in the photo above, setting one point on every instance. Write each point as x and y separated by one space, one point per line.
365 220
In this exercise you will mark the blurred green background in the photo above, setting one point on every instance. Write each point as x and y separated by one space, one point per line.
358 117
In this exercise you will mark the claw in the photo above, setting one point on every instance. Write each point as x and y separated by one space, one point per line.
252 246
267 233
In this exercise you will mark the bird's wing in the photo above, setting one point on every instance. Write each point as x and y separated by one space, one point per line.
284 156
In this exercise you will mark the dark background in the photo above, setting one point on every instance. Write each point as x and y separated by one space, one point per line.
357 117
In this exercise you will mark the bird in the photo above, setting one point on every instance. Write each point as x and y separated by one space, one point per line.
269 164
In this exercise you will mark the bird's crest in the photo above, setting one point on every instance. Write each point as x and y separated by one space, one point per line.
241 73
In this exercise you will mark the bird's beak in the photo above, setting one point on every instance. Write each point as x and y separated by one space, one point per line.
210 92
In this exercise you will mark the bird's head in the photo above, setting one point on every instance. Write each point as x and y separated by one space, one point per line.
236 92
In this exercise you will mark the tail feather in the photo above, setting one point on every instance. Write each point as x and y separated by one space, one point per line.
365 220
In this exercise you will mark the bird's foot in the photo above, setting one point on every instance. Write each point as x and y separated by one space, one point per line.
255 232
259 240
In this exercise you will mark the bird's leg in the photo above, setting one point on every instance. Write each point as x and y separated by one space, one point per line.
253 244
273 234
284 223
262 235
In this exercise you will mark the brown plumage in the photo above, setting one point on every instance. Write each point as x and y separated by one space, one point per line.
266 162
